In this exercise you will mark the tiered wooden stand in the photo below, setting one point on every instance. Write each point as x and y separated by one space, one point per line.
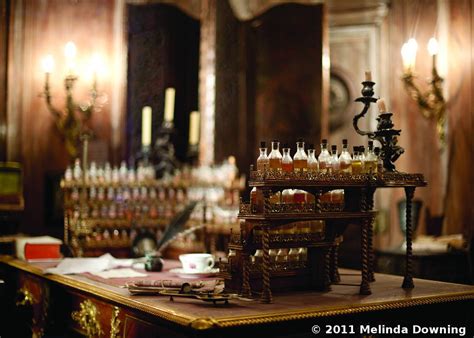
98 218
262 230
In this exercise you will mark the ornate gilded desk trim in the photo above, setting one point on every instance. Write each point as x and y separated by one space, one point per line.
317 313
199 323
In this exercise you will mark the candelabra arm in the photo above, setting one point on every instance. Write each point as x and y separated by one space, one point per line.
48 98
366 98
432 103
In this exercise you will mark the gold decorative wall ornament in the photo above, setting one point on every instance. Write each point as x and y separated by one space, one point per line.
431 103
115 323
72 120
87 318
25 297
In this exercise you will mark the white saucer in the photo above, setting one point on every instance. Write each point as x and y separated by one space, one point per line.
181 273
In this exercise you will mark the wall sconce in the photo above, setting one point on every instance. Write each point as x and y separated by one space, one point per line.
72 120
432 103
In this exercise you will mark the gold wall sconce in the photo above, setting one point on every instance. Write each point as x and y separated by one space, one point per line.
431 103
72 121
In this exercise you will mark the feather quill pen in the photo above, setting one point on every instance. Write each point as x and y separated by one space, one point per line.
177 227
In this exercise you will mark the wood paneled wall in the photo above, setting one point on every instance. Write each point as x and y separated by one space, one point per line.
448 173
460 187
38 28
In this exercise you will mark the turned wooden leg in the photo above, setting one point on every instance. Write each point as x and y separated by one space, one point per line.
246 291
408 280
327 268
266 291
365 286
335 277
370 207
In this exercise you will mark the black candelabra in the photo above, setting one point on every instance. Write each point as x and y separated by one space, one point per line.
385 134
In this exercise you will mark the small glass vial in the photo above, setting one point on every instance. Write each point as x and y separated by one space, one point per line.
345 159
275 156
77 171
68 174
370 164
263 162
300 160
324 157
286 161
362 158
356 164
313 165
256 200
334 160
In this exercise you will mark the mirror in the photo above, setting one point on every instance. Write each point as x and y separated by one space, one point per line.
163 52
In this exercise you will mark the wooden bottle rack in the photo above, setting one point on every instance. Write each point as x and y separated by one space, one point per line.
263 230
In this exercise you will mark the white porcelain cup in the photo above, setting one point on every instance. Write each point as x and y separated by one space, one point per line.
197 262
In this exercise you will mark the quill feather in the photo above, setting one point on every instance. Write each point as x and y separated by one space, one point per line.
176 226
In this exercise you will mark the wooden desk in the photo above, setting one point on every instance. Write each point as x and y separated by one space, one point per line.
50 300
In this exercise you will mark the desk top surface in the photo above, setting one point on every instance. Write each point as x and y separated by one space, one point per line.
343 299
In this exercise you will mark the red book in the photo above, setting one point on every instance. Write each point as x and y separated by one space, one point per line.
38 248
42 251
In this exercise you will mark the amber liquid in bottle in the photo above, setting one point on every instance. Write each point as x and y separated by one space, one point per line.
324 157
370 164
356 163
262 160
286 161
275 157
345 159
300 160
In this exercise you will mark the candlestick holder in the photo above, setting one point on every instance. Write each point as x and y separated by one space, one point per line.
72 120
162 154
385 134
193 154
431 103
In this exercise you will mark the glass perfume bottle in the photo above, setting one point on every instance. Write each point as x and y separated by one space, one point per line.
356 164
263 162
313 165
256 200
324 157
77 171
275 156
362 158
286 161
334 160
300 160
370 163
345 159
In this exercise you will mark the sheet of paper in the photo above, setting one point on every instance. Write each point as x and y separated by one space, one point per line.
91 265
119 273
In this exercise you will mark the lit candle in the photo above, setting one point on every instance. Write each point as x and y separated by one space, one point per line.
96 68
368 75
381 105
408 51
433 49
146 126
169 104
48 64
194 121
70 54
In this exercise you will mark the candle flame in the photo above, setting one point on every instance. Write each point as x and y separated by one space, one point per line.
433 46
48 63
70 50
